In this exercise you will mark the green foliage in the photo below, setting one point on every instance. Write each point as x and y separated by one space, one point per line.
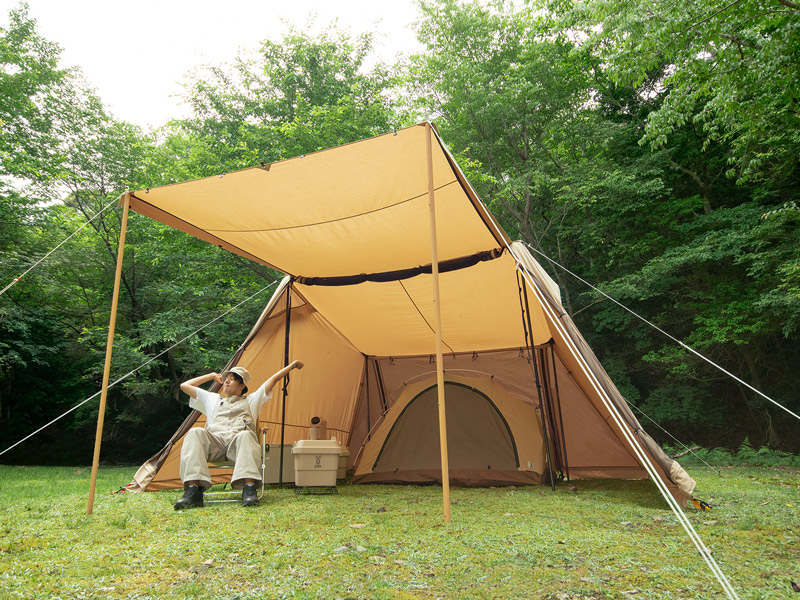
30 86
510 101
296 95
744 456
731 69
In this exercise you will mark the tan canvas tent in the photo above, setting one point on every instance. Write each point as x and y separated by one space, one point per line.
351 229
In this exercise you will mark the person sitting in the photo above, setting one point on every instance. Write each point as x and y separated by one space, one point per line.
229 434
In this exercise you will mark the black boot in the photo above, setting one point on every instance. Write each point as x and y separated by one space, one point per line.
192 498
249 495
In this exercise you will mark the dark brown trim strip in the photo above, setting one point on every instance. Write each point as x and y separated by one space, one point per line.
453 264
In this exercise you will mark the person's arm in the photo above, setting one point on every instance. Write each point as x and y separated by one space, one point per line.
191 386
264 392
270 383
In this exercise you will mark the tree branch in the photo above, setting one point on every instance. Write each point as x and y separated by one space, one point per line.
685 452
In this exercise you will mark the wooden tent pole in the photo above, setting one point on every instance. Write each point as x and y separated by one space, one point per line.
437 306
101 413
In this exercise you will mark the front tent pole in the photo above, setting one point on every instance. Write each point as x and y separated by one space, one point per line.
437 306
101 413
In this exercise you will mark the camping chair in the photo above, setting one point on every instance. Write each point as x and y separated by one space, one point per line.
231 495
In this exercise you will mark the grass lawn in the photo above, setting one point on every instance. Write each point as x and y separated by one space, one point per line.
589 539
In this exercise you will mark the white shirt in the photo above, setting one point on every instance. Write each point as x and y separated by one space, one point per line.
228 416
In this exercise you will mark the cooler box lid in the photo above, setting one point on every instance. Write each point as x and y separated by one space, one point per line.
316 447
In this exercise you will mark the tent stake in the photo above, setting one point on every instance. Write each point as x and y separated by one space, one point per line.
101 413
437 306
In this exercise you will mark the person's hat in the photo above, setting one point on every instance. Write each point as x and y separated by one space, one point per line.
241 372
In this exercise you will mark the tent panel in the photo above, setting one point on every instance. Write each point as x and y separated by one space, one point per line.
362 207
327 387
372 404
591 443
479 311
350 246
589 374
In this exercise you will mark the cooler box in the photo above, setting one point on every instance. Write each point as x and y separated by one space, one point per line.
341 472
272 473
316 462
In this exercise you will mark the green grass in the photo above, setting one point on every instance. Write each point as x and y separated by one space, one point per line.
601 540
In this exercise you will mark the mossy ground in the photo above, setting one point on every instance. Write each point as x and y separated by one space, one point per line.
588 539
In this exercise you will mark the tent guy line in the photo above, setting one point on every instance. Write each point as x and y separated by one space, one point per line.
634 443
69 237
645 461
144 364
673 338
688 449
422 315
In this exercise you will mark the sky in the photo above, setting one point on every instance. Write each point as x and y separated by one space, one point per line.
136 54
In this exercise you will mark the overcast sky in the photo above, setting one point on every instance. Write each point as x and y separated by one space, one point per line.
136 53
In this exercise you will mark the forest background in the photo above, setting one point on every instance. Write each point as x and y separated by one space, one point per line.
651 149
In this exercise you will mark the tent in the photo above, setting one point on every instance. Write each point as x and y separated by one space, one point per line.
383 326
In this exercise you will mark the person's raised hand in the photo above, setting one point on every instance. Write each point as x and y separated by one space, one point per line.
298 364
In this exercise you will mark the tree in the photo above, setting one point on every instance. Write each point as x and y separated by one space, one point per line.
732 68
56 322
297 95
30 86
720 88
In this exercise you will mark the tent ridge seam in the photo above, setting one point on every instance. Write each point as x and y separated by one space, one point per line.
328 222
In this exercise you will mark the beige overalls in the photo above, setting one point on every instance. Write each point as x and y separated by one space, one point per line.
229 434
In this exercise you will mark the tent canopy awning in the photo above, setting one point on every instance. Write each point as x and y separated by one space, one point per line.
360 209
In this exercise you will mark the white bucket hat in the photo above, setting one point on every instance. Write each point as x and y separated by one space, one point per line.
241 372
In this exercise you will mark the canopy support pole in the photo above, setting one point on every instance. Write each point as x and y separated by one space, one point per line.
101 413
437 306
526 324
285 377
366 395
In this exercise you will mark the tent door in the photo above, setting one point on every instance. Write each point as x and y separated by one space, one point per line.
479 436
